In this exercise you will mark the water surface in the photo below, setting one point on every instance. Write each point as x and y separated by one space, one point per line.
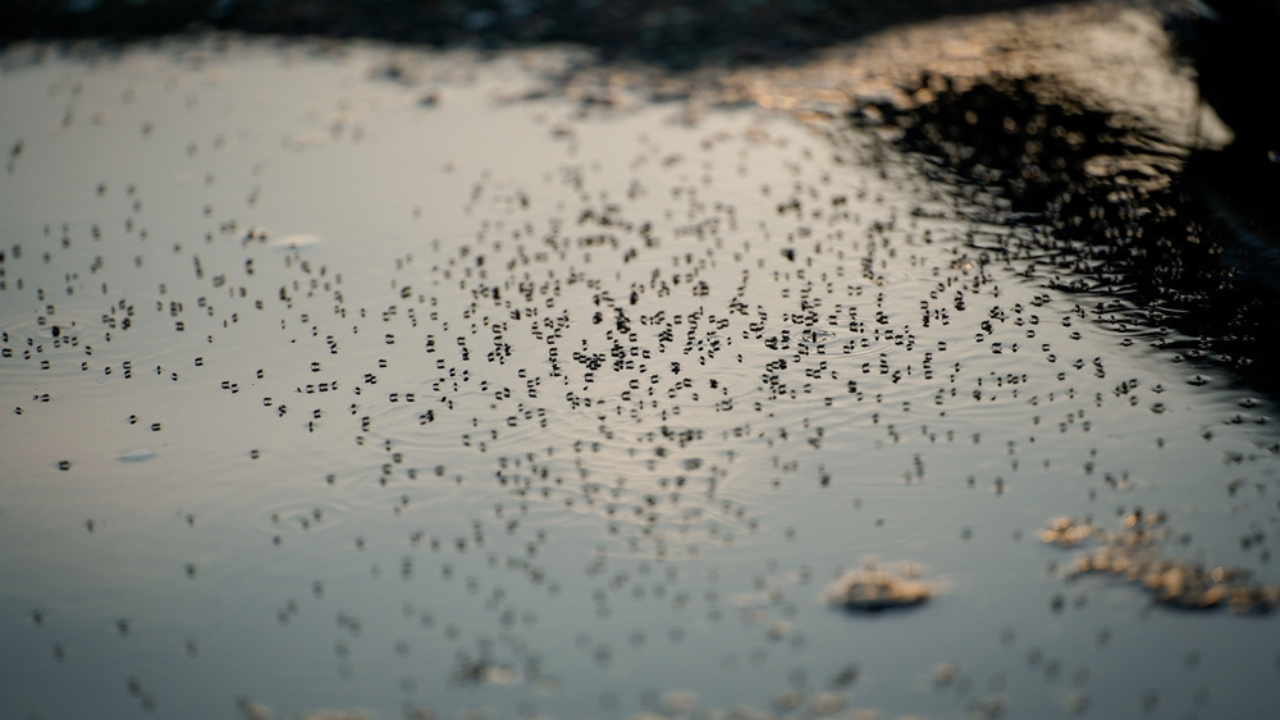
406 384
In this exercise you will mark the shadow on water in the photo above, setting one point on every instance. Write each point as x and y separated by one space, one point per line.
1117 213
669 33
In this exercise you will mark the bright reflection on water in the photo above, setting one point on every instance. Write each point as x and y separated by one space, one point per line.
328 389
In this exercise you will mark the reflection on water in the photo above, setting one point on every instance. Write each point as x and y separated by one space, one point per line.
484 408
1113 214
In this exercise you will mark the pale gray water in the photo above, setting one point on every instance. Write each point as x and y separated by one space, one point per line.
395 423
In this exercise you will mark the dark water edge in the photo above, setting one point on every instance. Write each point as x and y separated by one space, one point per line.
1184 234
671 33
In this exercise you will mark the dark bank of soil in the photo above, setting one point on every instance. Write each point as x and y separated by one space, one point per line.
673 33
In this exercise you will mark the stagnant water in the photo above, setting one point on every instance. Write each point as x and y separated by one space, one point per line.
343 379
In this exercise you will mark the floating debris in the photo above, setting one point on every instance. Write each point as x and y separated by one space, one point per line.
827 703
872 590
250 710
1133 554
1067 532
679 701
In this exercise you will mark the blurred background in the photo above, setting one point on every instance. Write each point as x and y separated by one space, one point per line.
672 32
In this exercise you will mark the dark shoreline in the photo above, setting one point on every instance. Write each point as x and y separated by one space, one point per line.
674 34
